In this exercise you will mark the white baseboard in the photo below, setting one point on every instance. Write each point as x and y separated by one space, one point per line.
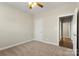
15 44
19 43
47 42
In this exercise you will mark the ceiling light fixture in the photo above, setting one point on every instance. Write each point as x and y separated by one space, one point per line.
33 4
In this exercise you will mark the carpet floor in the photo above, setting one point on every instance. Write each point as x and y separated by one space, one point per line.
36 48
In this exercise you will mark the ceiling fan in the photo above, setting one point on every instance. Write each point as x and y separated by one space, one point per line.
33 4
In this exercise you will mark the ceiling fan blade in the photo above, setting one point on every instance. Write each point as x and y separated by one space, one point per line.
40 5
33 4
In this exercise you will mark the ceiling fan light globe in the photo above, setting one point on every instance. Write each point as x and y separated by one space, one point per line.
30 3
34 3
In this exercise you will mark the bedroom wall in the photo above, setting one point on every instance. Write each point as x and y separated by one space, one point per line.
50 23
15 26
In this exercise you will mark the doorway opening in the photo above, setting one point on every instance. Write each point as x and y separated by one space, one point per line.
65 24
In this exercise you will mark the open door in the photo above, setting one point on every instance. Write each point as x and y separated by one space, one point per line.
74 31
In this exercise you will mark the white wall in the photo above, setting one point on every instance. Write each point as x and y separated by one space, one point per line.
38 29
15 26
50 29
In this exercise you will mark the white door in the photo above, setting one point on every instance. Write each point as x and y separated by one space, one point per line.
74 31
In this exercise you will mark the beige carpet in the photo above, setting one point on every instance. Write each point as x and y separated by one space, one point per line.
36 48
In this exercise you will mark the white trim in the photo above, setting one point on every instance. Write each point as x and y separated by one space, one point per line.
47 42
15 44
66 15
19 43
75 41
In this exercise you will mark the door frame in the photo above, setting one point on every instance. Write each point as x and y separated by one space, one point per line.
69 14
